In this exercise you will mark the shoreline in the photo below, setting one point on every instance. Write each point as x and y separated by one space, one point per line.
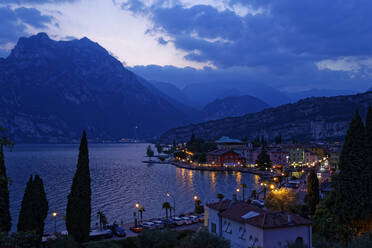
228 169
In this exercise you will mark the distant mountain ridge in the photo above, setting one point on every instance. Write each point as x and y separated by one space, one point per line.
312 119
52 90
232 106
296 96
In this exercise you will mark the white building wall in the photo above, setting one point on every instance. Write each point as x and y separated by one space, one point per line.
277 237
233 237
263 238
211 217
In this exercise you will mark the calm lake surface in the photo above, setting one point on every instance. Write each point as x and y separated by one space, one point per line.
119 180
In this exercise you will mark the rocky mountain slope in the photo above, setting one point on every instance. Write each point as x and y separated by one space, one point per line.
52 90
232 106
317 118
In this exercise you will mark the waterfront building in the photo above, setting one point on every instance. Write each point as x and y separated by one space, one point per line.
310 158
225 158
300 154
334 157
245 225
226 143
278 156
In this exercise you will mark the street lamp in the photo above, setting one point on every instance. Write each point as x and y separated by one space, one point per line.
174 203
237 193
137 206
54 214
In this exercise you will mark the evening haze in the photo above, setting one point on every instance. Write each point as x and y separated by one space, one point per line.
288 45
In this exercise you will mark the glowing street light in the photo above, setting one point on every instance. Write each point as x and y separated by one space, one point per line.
54 215
174 203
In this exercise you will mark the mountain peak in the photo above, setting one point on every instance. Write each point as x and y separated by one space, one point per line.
30 46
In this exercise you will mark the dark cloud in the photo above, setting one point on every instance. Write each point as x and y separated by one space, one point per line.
288 32
286 38
13 25
33 17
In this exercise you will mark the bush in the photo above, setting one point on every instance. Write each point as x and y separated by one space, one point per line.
185 233
61 242
157 239
204 239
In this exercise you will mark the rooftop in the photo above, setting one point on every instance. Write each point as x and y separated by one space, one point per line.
221 152
225 139
246 213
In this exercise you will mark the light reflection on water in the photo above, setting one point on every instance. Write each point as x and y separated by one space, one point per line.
119 180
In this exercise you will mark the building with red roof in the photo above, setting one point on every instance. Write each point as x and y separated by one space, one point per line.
246 225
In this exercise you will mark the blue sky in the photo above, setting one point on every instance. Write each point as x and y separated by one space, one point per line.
288 44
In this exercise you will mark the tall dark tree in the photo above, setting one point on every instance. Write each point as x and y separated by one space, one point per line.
40 204
34 208
79 209
26 214
351 200
367 175
263 160
278 139
5 218
312 197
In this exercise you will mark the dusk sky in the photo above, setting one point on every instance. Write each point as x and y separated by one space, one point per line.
288 44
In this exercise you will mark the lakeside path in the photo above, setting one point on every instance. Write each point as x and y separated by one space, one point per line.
232 168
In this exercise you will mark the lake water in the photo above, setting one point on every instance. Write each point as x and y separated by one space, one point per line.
119 180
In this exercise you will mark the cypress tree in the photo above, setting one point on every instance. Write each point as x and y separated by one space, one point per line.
79 210
40 204
34 208
263 160
312 197
351 205
5 219
368 169
26 215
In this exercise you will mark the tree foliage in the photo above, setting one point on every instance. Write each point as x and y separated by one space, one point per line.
34 208
167 206
263 160
5 218
312 197
282 200
203 239
367 175
351 186
79 210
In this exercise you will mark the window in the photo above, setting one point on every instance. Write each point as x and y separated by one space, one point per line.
227 227
242 233
213 227
299 241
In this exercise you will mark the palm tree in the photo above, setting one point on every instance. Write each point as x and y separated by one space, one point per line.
102 219
166 206
220 196
149 152
244 186
254 194
141 209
